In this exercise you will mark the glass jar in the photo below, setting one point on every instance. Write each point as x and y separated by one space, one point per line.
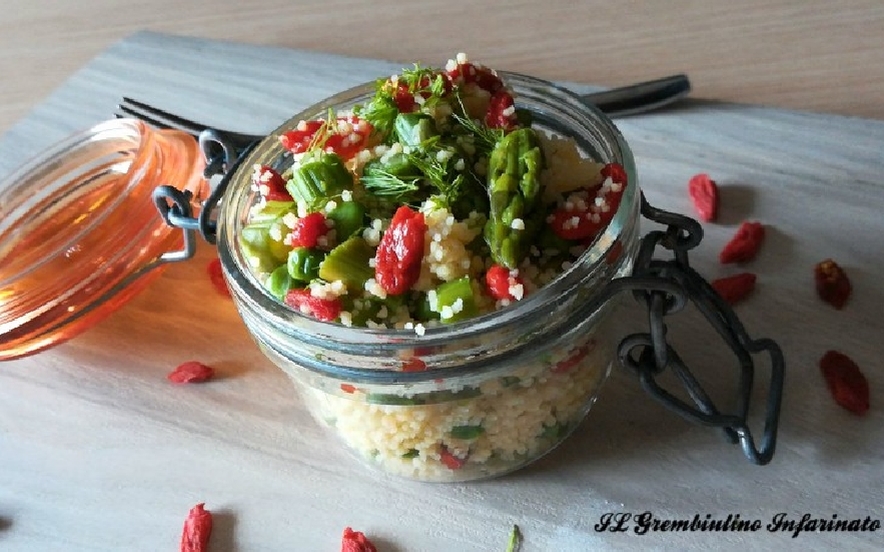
79 236
490 394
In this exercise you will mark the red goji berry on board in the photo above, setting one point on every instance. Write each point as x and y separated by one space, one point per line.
399 254
348 388
832 284
735 288
216 276
582 216
197 530
703 192
744 245
846 382
355 541
191 372
308 230
502 282
317 307
270 184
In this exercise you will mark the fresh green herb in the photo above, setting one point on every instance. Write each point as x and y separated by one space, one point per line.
381 182
424 81
485 138
381 111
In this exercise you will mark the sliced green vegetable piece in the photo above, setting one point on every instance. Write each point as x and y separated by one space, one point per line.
348 262
349 218
264 252
412 453
391 399
272 210
413 129
421 307
319 179
279 282
455 300
467 432
514 190
556 431
303 263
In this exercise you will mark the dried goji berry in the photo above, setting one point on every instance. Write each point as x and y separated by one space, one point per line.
451 461
299 139
349 137
414 364
832 284
481 76
317 307
845 381
216 275
573 359
403 98
744 245
735 288
270 184
399 254
191 372
501 282
704 195
582 217
614 252
348 388
501 111
197 530
355 541
308 229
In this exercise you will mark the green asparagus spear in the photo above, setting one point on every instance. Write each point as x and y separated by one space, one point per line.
319 179
348 262
514 190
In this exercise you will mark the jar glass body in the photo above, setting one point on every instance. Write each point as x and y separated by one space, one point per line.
493 393
79 234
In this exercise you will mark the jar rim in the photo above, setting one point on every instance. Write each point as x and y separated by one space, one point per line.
249 290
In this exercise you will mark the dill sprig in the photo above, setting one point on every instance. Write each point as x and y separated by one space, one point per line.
386 184
484 137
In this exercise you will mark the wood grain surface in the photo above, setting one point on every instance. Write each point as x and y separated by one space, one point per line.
804 54
99 453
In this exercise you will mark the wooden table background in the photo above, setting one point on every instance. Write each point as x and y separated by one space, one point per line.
813 55
804 54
